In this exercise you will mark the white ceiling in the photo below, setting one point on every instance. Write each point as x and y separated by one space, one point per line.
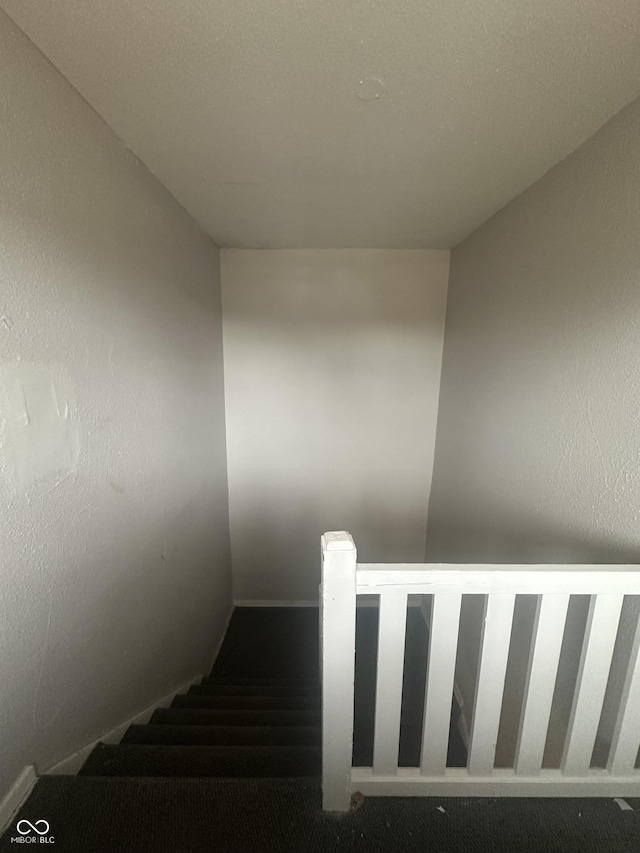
254 114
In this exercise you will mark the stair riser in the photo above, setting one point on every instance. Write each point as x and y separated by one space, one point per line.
224 735
212 717
198 761
214 688
197 697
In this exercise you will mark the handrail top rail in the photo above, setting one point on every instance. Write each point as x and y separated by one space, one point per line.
485 578
497 567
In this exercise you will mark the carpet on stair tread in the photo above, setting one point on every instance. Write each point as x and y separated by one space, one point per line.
202 698
159 815
190 715
224 735
275 682
238 761
270 641
211 685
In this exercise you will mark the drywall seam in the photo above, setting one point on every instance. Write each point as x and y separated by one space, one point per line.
70 765
16 796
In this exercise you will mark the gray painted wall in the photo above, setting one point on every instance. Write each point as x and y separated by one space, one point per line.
332 369
538 441
114 550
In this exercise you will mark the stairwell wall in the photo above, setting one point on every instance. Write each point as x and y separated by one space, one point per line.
114 546
538 442
332 369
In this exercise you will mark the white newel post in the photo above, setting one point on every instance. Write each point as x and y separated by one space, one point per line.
338 618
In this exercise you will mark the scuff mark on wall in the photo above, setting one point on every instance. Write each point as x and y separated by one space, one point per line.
39 432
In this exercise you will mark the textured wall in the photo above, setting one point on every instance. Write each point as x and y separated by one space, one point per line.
114 556
538 442
332 368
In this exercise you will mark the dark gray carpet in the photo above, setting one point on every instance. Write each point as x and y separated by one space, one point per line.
135 759
258 716
99 815
212 717
271 642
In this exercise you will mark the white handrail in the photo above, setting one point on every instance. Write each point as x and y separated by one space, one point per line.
485 578
343 579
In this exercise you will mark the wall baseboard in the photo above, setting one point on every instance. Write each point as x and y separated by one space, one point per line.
70 765
256 602
16 796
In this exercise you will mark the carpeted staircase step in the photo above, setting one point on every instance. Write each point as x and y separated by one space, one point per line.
190 716
276 682
200 697
211 685
237 761
270 641
225 735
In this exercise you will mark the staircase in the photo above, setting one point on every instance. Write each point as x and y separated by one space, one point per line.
234 766
238 723
226 727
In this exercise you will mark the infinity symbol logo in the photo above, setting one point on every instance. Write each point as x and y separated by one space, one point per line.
33 827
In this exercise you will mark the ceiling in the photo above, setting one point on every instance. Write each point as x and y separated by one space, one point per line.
344 123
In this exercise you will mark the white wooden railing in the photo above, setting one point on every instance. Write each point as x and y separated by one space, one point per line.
343 579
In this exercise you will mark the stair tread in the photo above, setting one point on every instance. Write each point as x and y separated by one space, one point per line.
202 698
132 759
223 735
212 686
193 715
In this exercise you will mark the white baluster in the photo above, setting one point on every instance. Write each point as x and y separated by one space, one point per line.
626 734
548 629
443 644
492 666
593 674
391 638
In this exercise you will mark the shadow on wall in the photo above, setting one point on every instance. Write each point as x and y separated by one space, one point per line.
332 366
282 528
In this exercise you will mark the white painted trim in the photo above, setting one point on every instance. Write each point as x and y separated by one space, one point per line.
501 783
70 765
338 642
463 722
16 796
484 579
251 602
